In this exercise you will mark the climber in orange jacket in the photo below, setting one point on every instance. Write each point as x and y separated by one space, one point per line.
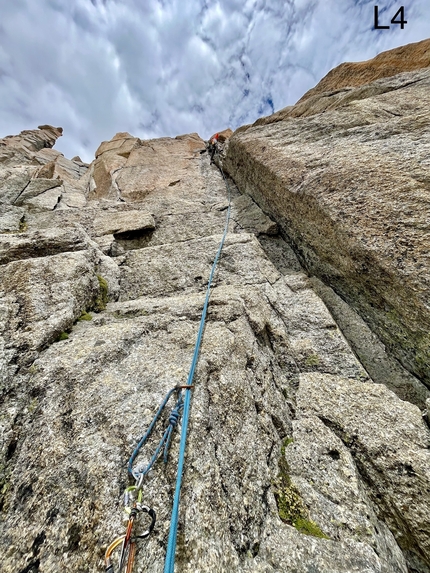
212 146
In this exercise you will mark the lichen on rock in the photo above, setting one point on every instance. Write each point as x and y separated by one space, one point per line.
102 298
289 501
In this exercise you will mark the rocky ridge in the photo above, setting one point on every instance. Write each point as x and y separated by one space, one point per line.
308 450
386 64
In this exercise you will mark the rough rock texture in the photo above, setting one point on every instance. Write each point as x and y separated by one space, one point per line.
350 188
73 409
125 167
399 450
296 460
402 59
34 174
223 135
381 366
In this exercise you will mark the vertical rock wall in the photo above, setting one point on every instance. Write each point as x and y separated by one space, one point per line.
296 460
346 175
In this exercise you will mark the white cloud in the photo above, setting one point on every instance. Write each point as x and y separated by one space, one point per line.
164 67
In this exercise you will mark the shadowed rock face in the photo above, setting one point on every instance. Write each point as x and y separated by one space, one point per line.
350 187
297 461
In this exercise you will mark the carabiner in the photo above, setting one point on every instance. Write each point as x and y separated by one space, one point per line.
128 541
109 551
153 517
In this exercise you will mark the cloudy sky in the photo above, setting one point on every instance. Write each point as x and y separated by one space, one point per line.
166 67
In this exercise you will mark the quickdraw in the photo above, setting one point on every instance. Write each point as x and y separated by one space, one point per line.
133 494
133 506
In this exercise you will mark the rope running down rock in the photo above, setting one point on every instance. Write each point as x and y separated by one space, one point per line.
169 564
133 494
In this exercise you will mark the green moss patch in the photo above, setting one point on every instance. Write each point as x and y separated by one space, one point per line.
285 444
62 336
312 360
32 407
290 504
309 527
85 316
102 298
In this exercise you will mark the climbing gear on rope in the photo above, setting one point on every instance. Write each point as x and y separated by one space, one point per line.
174 417
133 505
169 563
133 494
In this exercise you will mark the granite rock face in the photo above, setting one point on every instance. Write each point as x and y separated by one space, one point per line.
297 461
346 176
223 135
394 461
34 174
386 64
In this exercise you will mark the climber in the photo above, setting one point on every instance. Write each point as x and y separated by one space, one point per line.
213 146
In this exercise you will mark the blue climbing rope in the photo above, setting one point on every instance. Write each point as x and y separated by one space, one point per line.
181 408
175 414
169 564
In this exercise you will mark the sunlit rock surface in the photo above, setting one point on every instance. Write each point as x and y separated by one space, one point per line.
390 63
